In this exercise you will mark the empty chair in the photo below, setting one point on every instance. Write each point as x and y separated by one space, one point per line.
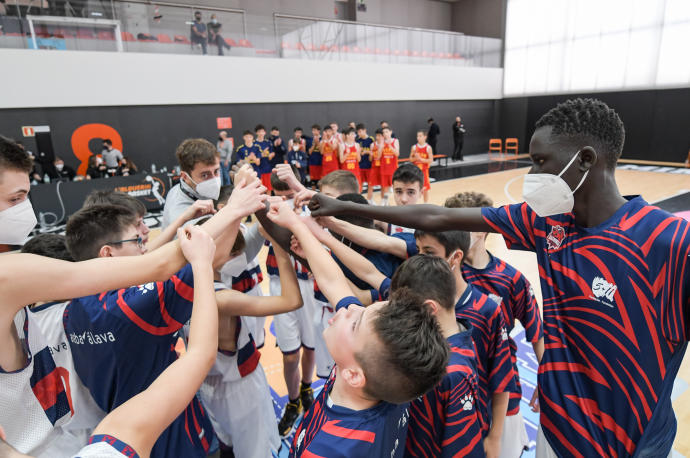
164 38
230 42
105 35
85 33
511 145
496 147
127 36
181 39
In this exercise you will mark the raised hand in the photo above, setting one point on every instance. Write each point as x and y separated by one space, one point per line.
321 205
248 198
315 228
197 246
303 197
284 172
198 209
283 215
245 173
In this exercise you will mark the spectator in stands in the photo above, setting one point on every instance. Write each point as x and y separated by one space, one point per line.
35 175
432 135
127 168
384 125
198 33
61 171
96 168
278 147
226 152
214 36
111 156
458 139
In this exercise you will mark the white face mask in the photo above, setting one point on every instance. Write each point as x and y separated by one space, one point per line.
16 223
233 268
59 167
209 189
548 194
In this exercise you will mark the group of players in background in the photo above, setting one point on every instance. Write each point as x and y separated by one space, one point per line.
372 160
402 310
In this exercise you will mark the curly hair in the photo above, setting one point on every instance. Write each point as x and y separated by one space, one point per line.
469 199
590 119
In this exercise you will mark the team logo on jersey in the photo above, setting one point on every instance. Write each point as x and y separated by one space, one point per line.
143 289
603 289
496 299
301 438
504 334
467 402
555 237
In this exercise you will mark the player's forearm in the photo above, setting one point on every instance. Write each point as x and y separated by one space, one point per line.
354 261
168 233
328 275
538 347
279 234
220 222
203 333
371 239
499 407
430 218
289 287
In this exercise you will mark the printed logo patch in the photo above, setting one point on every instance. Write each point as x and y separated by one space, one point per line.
467 402
555 238
602 289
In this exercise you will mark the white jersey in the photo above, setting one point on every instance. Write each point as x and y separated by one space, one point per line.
86 413
105 446
34 401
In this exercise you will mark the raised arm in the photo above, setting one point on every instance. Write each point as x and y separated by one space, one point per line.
235 303
331 280
354 261
198 209
139 421
430 218
371 239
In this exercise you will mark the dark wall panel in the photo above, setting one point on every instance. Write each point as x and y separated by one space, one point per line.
657 122
150 134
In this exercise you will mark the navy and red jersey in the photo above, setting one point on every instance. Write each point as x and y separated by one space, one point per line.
244 151
445 422
272 265
265 149
494 367
121 340
314 156
331 431
508 287
365 147
249 278
616 324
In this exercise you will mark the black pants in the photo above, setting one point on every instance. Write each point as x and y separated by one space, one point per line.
432 143
457 149
202 42
220 42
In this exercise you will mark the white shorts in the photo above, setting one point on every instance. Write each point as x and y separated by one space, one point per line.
257 322
294 330
514 438
242 413
544 449
324 360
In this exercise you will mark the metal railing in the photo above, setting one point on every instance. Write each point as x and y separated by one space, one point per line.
165 27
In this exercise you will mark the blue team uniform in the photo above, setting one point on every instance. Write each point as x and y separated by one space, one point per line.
122 340
365 146
616 308
244 151
265 148
445 421
332 431
298 157
494 367
507 286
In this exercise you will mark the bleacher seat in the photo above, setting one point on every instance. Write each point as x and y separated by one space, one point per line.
127 36
85 34
231 42
245 44
181 39
106 35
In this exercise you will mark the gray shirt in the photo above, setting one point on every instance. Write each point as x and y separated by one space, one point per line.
176 202
111 157
225 149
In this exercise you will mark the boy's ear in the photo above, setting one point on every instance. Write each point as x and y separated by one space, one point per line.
433 306
106 251
354 376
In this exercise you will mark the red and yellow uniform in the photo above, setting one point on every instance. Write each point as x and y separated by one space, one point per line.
329 162
424 152
389 162
351 162
375 172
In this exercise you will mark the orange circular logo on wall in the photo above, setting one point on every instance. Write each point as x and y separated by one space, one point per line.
84 134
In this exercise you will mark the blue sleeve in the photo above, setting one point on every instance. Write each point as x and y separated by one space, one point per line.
515 223
410 242
159 308
346 302
385 289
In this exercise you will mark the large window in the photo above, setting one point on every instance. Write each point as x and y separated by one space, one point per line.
589 45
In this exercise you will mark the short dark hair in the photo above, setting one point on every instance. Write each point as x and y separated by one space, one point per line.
451 240
357 220
348 131
378 132
247 132
240 243
275 128
413 354
224 196
327 127
297 128
360 126
279 185
259 127
195 150
588 121
108 141
386 128
430 276
48 245
383 122
421 131
468 199
92 227
430 120
13 156
409 173
316 126
109 197
342 180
